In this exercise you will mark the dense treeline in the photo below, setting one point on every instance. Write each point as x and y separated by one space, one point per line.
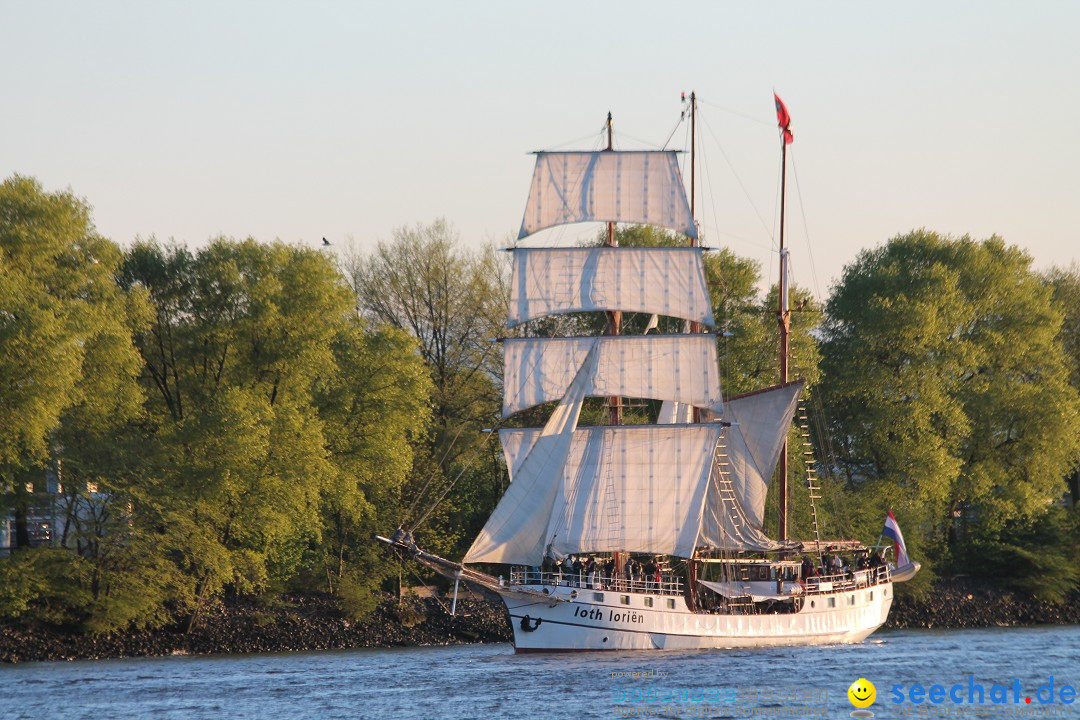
225 420
244 418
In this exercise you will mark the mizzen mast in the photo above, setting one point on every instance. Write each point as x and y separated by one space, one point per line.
783 312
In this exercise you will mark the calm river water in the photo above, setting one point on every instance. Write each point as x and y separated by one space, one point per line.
490 681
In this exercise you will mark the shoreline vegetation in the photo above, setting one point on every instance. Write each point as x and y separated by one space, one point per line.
307 622
185 433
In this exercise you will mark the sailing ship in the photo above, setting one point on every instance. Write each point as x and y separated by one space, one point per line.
688 489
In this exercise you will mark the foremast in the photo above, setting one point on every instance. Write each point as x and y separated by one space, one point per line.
646 489
562 473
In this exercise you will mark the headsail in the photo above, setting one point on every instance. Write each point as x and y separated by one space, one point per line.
515 531
682 368
607 186
663 281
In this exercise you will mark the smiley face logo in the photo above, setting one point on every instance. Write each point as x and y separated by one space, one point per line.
862 693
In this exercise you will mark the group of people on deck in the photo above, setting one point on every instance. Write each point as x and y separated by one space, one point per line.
603 574
836 566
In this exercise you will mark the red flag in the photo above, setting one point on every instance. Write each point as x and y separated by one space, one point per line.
783 119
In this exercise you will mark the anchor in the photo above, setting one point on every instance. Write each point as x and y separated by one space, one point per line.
527 627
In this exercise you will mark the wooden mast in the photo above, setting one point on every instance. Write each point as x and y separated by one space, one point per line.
695 327
784 316
614 317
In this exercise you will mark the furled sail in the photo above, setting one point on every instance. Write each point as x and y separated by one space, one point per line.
607 186
516 529
663 281
735 509
639 487
682 368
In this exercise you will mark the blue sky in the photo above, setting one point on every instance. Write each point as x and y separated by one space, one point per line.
301 120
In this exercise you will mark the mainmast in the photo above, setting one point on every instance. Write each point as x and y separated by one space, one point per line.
614 317
694 326
783 312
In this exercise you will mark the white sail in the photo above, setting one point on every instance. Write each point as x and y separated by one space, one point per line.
682 368
638 487
673 413
660 281
750 449
759 424
725 524
607 186
516 529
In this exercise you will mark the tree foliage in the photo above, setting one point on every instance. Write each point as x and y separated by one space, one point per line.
224 419
454 303
947 384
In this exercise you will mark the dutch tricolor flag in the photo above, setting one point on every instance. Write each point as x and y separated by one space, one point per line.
892 531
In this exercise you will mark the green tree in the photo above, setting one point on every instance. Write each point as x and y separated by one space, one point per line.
947 385
237 460
375 409
65 341
453 302
67 358
1066 288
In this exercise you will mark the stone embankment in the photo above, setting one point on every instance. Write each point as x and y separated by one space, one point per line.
314 622
300 622
967 603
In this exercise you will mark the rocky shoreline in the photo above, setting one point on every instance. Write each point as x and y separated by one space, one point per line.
297 622
969 603
313 622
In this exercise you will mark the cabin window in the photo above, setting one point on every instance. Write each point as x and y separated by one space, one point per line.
811 603
671 603
648 602
871 594
851 600
832 602
599 597
624 599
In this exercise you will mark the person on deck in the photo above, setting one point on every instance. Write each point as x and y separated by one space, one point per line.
650 572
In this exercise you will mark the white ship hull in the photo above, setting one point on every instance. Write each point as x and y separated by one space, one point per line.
588 622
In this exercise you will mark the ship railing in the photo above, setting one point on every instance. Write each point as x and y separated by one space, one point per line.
854 580
667 585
